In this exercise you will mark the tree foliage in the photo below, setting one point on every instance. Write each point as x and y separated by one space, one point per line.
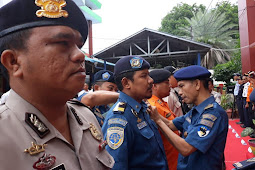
176 18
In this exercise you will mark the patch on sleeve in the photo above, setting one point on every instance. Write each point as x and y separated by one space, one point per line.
209 116
117 121
120 107
141 125
188 119
206 123
203 131
115 137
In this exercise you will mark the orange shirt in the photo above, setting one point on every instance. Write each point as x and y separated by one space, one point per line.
250 88
163 109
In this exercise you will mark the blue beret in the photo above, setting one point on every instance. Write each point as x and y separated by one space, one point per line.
23 14
104 75
191 73
129 64
159 75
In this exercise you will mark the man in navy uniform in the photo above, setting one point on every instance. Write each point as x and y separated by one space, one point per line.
133 138
40 42
204 128
105 84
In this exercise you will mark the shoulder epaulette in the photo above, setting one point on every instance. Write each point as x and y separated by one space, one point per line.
120 107
208 106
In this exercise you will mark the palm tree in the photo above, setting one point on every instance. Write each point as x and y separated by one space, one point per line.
213 28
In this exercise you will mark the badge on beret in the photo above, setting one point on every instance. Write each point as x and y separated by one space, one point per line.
203 131
106 76
115 137
136 62
51 8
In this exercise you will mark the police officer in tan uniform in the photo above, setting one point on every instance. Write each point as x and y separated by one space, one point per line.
40 43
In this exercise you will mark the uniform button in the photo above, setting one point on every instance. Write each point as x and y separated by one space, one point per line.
137 106
110 161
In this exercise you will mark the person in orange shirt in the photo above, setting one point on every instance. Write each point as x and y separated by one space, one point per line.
161 89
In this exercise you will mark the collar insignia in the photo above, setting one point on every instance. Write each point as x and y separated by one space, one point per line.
208 106
35 149
51 8
95 133
36 124
136 62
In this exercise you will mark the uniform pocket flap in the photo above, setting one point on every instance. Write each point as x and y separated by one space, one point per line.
106 159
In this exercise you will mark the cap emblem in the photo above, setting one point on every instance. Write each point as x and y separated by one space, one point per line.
136 62
51 8
106 76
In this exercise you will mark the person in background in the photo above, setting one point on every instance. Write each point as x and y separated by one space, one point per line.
244 97
239 100
161 89
133 138
216 95
204 128
237 78
249 104
105 93
174 100
40 127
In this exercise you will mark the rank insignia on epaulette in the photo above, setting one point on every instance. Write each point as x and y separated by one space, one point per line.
95 133
120 107
36 124
203 131
51 8
208 106
76 116
115 137
168 115
44 162
35 149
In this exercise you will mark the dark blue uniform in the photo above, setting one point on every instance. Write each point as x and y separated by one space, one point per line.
133 138
204 127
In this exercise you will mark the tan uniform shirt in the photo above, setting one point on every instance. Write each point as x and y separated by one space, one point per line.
174 103
17 135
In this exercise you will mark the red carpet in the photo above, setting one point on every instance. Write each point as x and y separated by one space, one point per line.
236 147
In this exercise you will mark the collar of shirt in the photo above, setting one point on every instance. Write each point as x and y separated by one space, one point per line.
200 108
133 103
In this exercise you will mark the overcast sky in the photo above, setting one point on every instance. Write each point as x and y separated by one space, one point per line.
122 18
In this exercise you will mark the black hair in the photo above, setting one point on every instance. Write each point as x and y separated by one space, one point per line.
128 75
206 81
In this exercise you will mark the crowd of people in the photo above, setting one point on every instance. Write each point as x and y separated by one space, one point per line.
245 106
161 119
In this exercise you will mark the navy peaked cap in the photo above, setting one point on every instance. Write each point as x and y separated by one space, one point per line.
170 68
191 73
159 75
129 64
104 76
23 14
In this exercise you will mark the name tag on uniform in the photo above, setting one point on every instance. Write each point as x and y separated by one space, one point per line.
141 125
59 167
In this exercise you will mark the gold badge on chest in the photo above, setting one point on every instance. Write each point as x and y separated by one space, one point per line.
51 8
35 149
95 133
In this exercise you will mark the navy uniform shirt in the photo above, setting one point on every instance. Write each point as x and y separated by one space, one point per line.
204 127
133 138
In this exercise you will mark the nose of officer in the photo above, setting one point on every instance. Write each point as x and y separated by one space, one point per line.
78 56
150 80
